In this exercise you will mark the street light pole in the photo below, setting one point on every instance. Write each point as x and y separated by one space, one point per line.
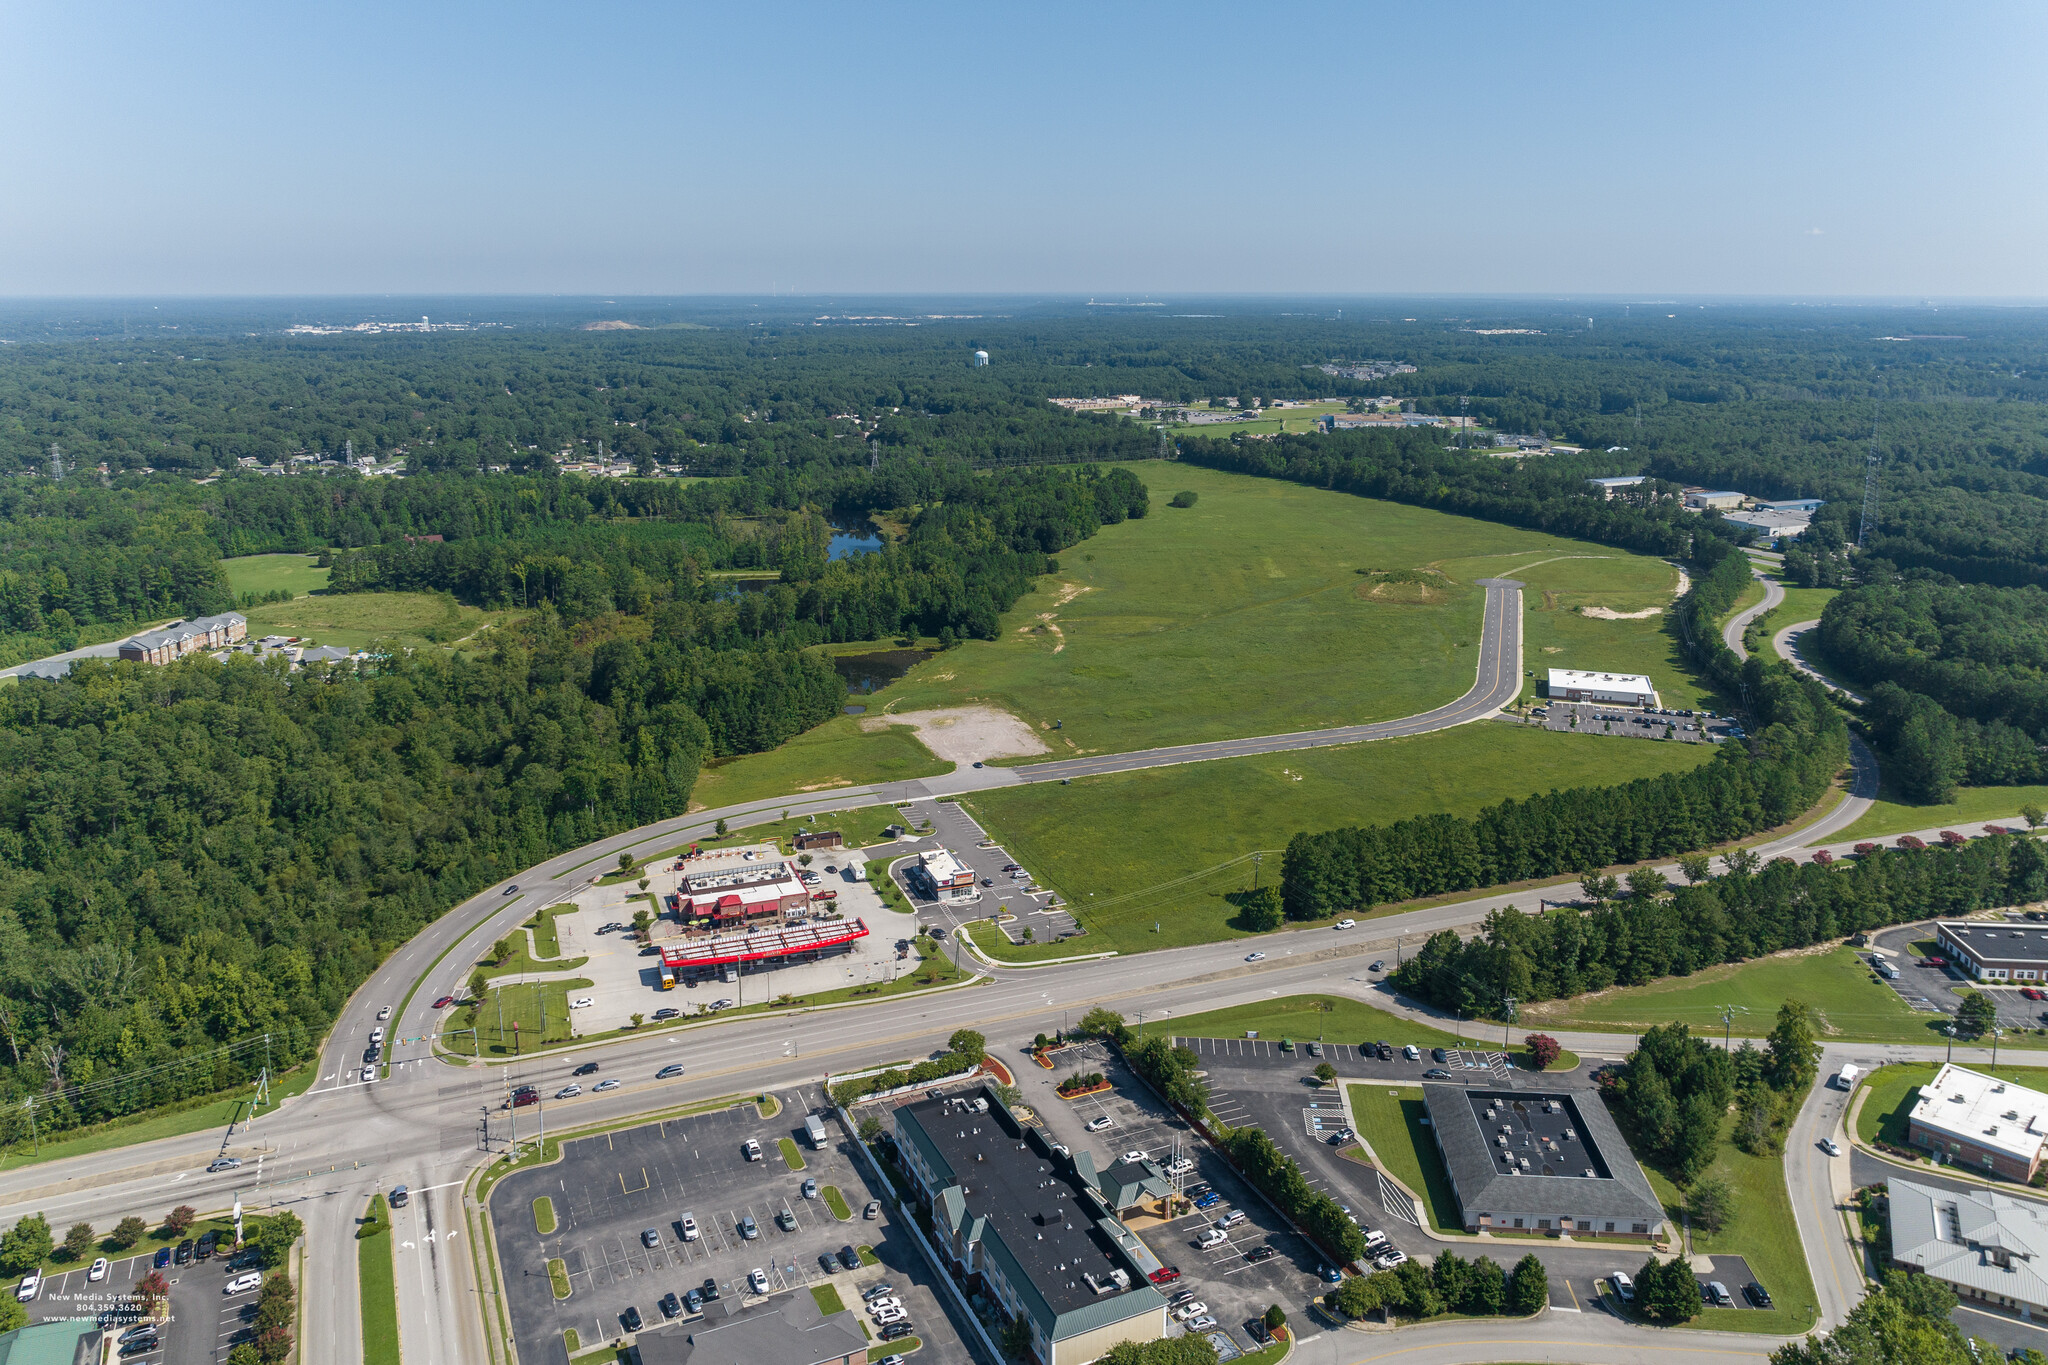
1508 1022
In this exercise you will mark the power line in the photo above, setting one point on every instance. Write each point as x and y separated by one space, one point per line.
1870 464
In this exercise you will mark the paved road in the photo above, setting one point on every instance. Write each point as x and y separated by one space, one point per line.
1773 595
1790 644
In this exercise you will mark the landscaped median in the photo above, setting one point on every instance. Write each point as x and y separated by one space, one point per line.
1393 1122
377 1285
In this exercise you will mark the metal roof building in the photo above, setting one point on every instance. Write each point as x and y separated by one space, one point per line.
1541 1162
1988 1247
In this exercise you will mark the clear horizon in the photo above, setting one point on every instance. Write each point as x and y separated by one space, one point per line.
1485 151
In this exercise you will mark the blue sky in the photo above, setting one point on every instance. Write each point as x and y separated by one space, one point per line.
1755 149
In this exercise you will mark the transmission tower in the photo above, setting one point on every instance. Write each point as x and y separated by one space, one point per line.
1870 464
56 461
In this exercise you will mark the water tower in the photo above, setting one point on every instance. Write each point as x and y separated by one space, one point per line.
980 359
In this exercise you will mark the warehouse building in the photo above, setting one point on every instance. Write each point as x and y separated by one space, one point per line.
1540 1162
1991 950
1612 689
1017 1223
1990 1248
1970 1119
1619 483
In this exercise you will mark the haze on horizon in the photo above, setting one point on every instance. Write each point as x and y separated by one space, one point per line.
1491 148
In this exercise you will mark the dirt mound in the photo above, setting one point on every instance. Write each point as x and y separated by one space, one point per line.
1405 587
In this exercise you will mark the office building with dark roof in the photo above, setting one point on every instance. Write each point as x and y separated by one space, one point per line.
1022 1222
1540 1162
1995 950
789 1329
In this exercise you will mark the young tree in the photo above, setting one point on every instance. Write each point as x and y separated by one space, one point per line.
78 1240
625 861
1794 1056
804 859
245 1354
1325 1072
151 1291
1528 1287
1261 910
1710 1202
1976 1015
968 1044
870 1127
26 1245
178 1219
1543 1049
718 828
1599 887
128 1232
1101 1023
637 1017
1697 1136
2033 815
1276 1318
1647 884
1666 1292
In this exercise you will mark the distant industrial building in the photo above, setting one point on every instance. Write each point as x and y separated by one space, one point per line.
1019 1224
1988 1247
1775 525
174 642
1613 689
1701 499
1619 483
1980 1122
1540 1162
1806 505
1994 950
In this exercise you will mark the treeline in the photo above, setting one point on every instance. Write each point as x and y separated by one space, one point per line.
1655 932
198 855
1958 678
1446 1284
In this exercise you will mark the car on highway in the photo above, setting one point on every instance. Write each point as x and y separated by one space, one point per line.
587 1069
383 1014
667 1012
757 1280
1831 1147
444 1002
613 1084
1345 924
223 1163
1254 957
569 1092
1261 1253
524 1096
1436 1073
669 1072
689 1227
581 1002
369 1073
512 890
1096 1125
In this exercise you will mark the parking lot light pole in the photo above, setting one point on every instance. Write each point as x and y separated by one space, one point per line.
1950 1030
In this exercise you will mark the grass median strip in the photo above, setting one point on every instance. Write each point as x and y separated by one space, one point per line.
836 1202
791 1157
378 1288
902 1346
544 1215
558 1276
1395 1124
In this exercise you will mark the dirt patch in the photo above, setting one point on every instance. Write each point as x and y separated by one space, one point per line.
1604 614
1068 592
1409 587
965 734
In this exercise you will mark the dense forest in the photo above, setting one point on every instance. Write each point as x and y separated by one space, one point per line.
196 855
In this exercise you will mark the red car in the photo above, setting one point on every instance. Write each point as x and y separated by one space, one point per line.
1933 962
2030 993
1166 1274
444 1002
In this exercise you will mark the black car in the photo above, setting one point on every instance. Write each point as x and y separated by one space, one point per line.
1261 1253
1439 1055
670 1304
631 1317
587 1069
1384 1050
141 1344
204 1251
825 1260
710 1289
1197 1190
183 1256
849 1258
1757 1294
1436 1073
668 1014
897 1329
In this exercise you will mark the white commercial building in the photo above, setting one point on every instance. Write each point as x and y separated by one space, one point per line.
944 876
1978 1121
1613 689
1989 1248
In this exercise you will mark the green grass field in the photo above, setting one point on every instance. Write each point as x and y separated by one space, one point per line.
1802 604
509 1020
1891 1091
379 1291
357 620
1394 1123
1297 420
216 1113
1123 850
295 574
1329 1018
836 754
1837 983
1968 813
1252 613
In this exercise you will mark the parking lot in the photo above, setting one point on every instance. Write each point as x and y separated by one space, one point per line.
1624 722
1933 989
953 829
1237 1288
203 1323
608 1191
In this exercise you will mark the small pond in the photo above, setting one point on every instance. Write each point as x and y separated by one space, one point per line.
865 673
847 542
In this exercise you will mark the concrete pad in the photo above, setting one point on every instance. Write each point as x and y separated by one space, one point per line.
966 734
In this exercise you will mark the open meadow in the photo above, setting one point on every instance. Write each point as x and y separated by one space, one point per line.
295 574
1168 845
1270 607
357 620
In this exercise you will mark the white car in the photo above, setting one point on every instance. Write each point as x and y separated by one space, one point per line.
369 1073
1346 924
1190 1310
569 1091
613 1084
30 1286
887 1317
383 1014
1137 1154
1254 957
884 1304
98 1271
581 1002
1388 1260
376 1035
1831 1147
1096 1125
242 1284
689 1228
757 1280
1214 1237
1623 1286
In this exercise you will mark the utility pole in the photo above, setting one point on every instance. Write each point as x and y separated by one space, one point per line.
1728 1013
1950 1030
1995 1032
1508 1002
1257 858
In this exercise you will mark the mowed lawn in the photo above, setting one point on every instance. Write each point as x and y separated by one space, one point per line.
1325 1018
1166 845
1253 612
1838 983
1971 810
295 574
1394 1122
836 754
357 620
